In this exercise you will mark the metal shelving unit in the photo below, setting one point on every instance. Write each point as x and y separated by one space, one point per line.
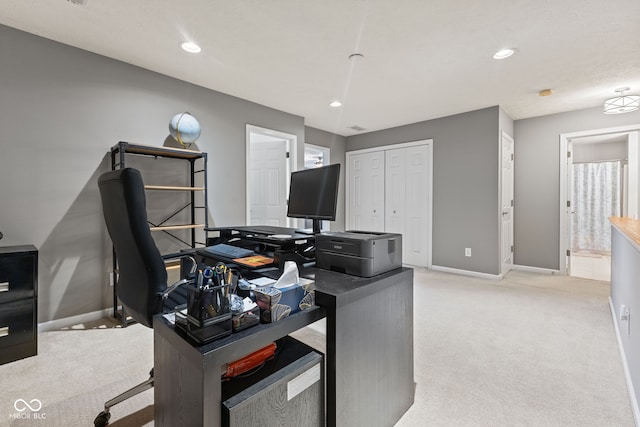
197 165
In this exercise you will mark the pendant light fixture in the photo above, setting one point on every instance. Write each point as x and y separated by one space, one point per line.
623 103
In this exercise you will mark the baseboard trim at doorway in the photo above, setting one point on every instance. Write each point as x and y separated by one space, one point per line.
467 272
627 374
534 269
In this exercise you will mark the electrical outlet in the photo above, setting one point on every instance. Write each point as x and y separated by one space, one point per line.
467 252
624 312
625 316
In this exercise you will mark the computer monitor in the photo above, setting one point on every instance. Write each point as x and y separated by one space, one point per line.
313 194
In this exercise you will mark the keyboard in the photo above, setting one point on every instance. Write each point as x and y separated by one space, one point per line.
228 251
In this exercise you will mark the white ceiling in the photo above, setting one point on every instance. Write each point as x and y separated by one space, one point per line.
423 59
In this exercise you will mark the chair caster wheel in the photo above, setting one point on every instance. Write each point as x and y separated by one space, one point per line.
102 419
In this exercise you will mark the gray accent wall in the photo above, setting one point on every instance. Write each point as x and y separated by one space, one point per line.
337 144
537 180
61 110
465 184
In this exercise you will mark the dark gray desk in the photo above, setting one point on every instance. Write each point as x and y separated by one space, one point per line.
369 346
369 354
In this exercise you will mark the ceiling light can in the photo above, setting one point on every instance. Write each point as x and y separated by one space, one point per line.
504 53
335 104
190 47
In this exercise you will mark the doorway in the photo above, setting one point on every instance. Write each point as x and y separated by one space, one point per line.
599 180
270 159
506 201
315 156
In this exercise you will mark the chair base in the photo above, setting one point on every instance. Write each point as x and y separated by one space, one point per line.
103 417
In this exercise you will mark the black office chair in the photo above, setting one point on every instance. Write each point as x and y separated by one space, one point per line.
142 276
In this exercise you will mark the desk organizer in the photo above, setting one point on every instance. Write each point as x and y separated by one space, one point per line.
206 305
207 315
245 319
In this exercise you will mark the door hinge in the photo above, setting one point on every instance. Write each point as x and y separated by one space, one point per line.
511 248
568 252
511 156
287 154
568 203
568 154
511 203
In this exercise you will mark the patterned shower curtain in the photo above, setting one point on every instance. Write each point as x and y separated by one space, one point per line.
595 198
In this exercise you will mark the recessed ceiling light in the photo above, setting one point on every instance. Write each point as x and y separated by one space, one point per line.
335 104
545 92
504 53
190 47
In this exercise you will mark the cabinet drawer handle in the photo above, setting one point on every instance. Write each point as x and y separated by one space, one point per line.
4 331
4 286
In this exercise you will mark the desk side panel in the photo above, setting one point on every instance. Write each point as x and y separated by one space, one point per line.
371 342
178 387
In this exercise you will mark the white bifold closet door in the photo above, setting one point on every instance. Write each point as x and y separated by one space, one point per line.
366 192
389 191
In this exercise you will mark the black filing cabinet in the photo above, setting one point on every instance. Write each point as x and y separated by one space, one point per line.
18 302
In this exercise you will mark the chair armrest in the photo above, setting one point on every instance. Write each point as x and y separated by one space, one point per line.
175 286
186 254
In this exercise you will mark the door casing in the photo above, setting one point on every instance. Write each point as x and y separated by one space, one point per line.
257 133
565 182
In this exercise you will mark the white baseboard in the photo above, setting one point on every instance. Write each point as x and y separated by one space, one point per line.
534 269
57 324
632 394
467 272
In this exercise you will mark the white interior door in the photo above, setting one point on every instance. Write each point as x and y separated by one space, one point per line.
268 171
366 191
395 191
507 202
407 195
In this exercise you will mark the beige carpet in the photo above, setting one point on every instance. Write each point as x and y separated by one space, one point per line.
530 350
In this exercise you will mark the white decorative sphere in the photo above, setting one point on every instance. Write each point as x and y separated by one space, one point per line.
184 128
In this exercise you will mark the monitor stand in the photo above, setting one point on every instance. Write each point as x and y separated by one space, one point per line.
316 226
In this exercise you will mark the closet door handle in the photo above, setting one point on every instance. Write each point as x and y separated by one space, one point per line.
4 286
4 331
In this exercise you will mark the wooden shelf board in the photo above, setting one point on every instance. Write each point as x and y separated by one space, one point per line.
176 227
179 153
172 188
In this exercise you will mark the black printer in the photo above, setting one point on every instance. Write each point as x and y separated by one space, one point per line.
359 253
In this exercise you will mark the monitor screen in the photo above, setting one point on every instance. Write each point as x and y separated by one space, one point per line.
313 193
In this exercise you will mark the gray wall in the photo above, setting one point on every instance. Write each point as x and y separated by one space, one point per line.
465 184
337 144
598 152
537 180
61 110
